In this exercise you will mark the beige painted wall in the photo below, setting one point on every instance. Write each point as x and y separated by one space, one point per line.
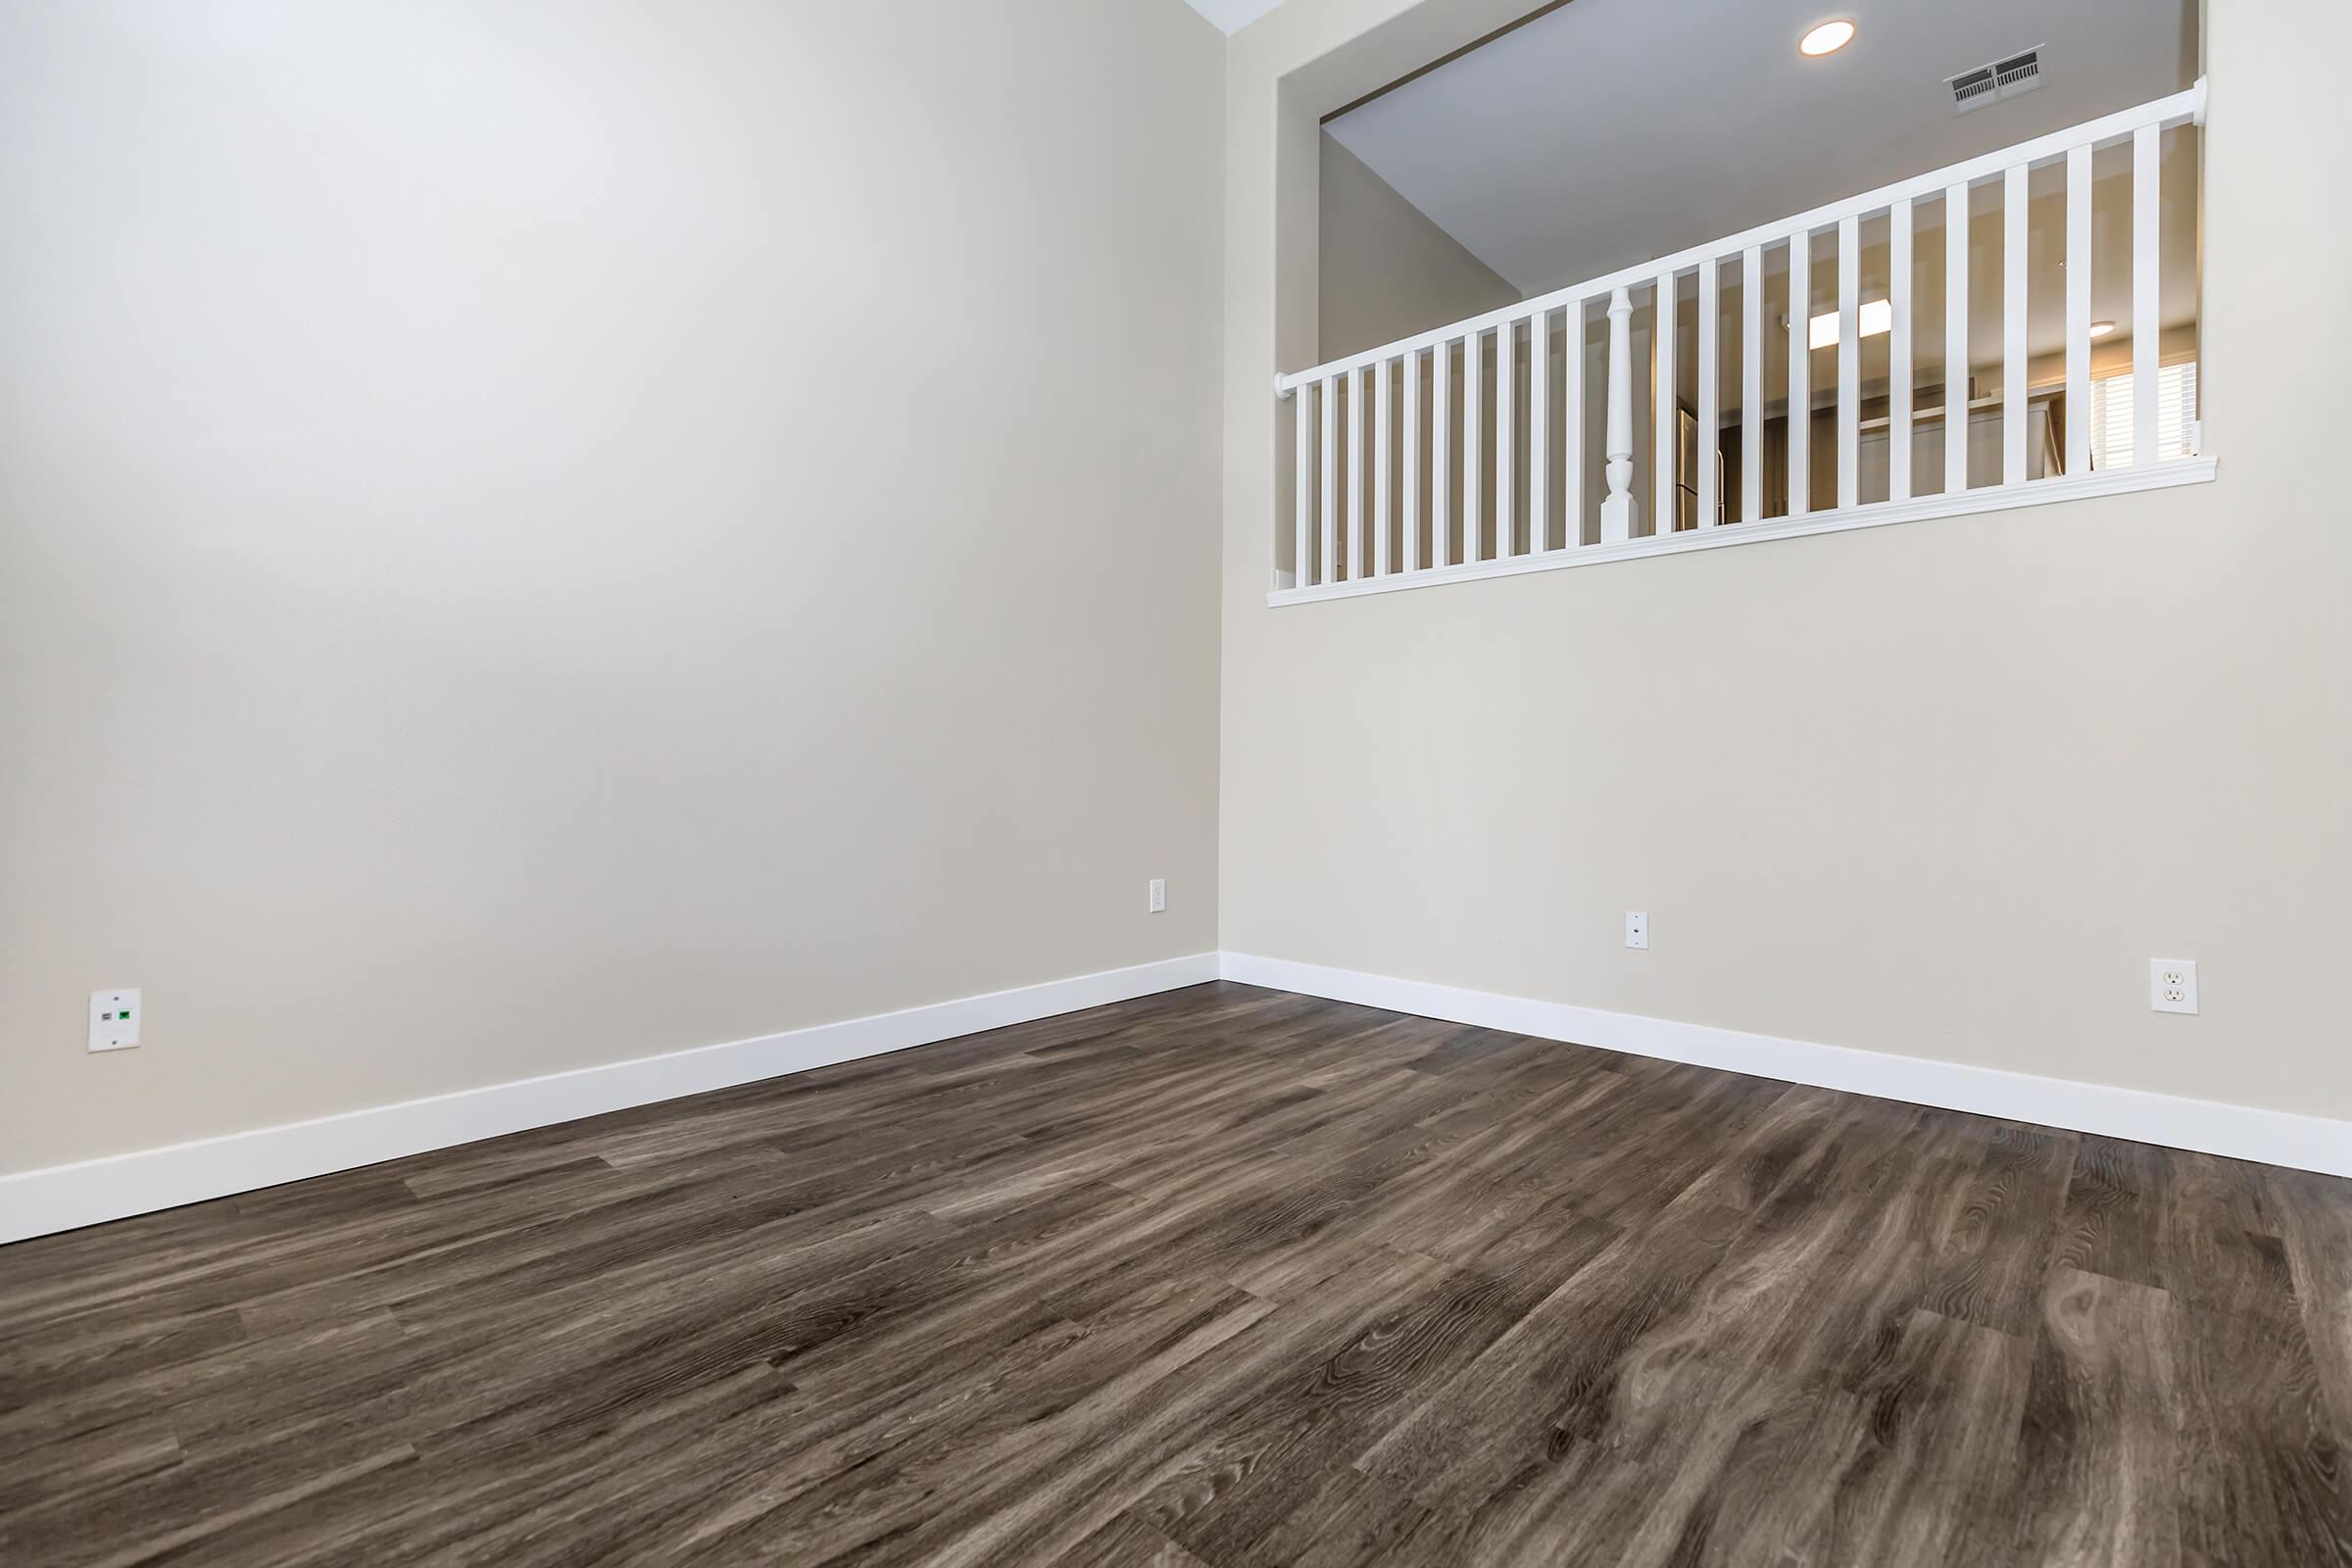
1940 789
1385 270
540 532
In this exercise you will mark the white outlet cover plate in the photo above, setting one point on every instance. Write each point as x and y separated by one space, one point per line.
1156 896
1636 929
115 1020
2172 985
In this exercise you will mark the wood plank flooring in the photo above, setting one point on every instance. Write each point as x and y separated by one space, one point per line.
1224 1277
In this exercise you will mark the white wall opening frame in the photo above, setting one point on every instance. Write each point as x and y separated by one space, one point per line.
1350 69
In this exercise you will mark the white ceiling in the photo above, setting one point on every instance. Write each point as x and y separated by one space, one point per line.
1612 131
1232 16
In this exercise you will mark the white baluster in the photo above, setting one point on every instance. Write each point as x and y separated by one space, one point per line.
1354 566
1379 469
1303 547
1849 362
1539 431
1506 375
2147 330
1898 351
2077 310
1441 453
1801 374
1572 426
1331 480
1664 505
1474 455
1617 510
1412 461
1955 339
2013 326
1751 383
1709 393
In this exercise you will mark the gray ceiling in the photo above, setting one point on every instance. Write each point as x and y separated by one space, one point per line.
1609 131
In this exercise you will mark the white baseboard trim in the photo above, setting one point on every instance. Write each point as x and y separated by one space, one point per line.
62 1198
2241 1132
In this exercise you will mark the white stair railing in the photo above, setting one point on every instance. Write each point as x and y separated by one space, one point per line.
1461 388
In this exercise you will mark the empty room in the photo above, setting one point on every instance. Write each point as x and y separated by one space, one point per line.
1214 783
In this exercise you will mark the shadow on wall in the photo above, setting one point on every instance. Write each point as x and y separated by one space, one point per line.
1387 271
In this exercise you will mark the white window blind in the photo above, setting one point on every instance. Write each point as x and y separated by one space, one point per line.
2111 421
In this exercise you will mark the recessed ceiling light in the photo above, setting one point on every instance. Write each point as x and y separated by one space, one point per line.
1827 38
2101 328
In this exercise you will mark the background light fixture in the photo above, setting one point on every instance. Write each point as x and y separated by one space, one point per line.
1827 38
1874 316
2101 328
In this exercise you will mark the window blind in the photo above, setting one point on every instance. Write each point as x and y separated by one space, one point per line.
2111 416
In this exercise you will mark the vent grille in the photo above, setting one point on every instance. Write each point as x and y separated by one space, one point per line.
1974 89
2018 73
2000 78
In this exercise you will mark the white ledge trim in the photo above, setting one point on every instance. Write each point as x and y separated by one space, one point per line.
2212 1127
1919 509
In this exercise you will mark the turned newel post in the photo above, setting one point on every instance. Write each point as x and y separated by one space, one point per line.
1617 508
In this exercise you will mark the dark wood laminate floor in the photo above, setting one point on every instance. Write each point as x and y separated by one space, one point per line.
1223 1276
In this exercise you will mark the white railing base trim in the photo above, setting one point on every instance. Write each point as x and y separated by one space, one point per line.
2211 1127
1878 514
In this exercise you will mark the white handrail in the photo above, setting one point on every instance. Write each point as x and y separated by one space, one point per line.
2185 106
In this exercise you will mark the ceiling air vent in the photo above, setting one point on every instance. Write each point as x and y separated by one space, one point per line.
2001 79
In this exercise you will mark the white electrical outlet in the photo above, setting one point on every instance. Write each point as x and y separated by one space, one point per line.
1160 894
115 1020
2172 985
1636 929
